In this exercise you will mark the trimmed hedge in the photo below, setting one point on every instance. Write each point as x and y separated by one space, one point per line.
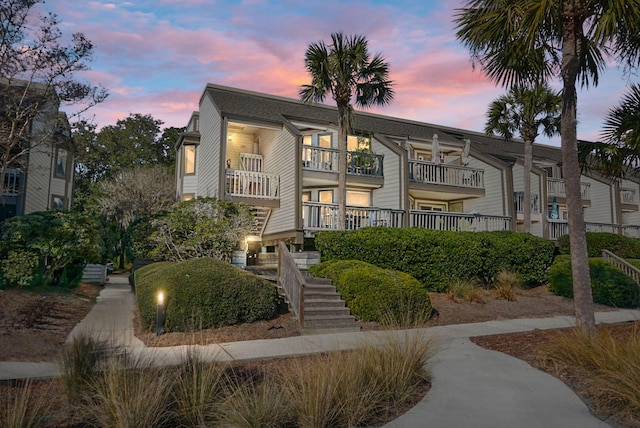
609 284
203 293
437 257
620 245
376 294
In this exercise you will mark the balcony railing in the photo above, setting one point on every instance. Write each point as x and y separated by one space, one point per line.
453 175
326 159
436 220
557 187
557 228
11 185
251 184
628 196
518 198
318 216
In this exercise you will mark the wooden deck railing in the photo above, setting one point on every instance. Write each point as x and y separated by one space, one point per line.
252 184
319 216
629 269
292 282
628 196
557 187
453 175
436 220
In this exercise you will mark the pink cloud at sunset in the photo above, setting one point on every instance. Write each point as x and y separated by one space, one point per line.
156 57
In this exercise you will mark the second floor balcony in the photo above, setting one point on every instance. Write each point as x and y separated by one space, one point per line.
252 184
518 200
628 199
326 159
557 187
453 175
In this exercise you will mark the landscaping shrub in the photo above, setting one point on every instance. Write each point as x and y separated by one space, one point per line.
437 257
620 245
376 294
62 242
609 284
203 293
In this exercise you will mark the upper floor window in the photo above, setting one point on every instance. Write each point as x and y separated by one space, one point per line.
358 144
61 163
321 140
189 159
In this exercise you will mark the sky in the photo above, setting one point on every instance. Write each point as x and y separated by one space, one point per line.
156 56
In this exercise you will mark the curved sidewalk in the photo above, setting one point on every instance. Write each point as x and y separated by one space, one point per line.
471 386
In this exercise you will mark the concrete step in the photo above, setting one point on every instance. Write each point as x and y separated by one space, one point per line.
328 301
328 312
321 321
321 295
312 280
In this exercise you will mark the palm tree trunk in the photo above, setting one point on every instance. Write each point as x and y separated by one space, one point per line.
528 155
342 168
582 294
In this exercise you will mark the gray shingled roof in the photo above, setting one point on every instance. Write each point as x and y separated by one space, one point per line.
238 103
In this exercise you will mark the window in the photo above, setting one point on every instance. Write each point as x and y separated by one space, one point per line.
307 140
324 140
57 203
358 144
325 196
189 159
358 199
61 163
432 206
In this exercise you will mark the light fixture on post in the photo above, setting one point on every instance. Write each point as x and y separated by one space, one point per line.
160 313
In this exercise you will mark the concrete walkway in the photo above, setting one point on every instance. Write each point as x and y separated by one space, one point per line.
471 386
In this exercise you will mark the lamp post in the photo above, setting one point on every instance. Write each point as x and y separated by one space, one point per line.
160 313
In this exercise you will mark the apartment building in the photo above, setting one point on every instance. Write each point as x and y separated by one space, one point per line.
280 156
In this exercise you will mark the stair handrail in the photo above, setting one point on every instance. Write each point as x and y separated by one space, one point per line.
292 282
629 269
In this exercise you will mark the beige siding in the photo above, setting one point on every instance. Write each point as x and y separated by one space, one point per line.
600 210
37 196
208 152
391 194
279 151
495 198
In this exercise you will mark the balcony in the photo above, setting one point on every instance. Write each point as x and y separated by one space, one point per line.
437 220
252 184
557 188
326 159
452 175
318 216
11 185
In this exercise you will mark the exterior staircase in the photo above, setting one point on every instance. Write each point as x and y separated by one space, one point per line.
262 215
324 309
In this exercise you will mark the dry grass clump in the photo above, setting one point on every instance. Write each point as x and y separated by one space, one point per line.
341 389
613 364
21 407
506 285
466 290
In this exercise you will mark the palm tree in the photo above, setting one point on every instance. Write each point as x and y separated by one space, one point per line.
524 109
345 70
618 154
528 41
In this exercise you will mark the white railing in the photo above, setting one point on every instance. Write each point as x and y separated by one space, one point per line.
557 228
318 216
250 184
629 269
11 185
436 220
453 175
518 198
367 164
251 162
291 281
320 158
628 196
557 187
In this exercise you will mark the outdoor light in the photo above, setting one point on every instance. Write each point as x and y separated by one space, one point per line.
160 313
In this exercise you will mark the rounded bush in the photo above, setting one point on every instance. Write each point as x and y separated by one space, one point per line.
203 293
376 294
610 286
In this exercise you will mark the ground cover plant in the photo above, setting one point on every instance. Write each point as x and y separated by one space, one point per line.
203 293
